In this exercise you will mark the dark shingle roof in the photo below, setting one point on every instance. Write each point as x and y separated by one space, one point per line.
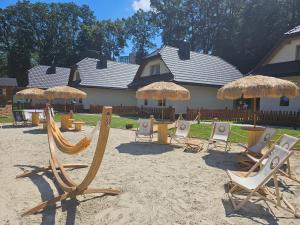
5 81
283 69
37 77
200 68
116 75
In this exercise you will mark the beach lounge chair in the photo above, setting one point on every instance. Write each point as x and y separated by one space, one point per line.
261 143
145 129
254 183
220 133
19 117
287 142
182 131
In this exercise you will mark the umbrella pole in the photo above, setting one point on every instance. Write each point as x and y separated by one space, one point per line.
65 105
162 109
254 112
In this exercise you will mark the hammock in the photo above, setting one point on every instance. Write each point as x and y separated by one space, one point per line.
67 147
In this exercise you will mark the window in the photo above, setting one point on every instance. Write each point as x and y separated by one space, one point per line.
146 102
76 76
155 69
2 91
298 52
162 102
284 101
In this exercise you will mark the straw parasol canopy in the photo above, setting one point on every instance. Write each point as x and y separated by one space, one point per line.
163 90
258 86
64 92
255 86
31 93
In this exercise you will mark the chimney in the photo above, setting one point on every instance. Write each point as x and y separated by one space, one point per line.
102 63
184 50
51 69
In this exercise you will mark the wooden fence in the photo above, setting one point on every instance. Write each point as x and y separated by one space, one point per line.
280 118
169 113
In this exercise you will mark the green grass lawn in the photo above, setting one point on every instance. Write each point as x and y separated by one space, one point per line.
200 131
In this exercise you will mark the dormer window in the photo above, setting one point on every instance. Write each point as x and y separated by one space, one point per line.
155 69
298 52
76 76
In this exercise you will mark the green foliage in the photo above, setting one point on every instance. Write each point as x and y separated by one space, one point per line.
142 30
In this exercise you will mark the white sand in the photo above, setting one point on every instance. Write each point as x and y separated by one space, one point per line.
159 184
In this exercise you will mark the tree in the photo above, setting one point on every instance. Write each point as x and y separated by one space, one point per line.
141 31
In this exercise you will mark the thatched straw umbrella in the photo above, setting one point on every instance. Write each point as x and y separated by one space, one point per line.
31 93
64 92
163 90
258 86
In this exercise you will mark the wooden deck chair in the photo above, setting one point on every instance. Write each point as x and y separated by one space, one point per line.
261 143
70 188
220 133
252 184
182 131
256 150
287 142
145 129
19 117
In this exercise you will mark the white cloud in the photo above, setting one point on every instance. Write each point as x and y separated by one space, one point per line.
141 4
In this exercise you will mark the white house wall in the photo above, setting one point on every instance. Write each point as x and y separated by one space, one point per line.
111 97
273 104
201 97
287 52
147 70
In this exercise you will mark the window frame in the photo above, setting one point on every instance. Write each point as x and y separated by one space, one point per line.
3 92
161 103
283 102
145 102
297 55
155 69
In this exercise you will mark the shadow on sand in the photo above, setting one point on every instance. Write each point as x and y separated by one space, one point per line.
48 214
222 160
145 148
257 213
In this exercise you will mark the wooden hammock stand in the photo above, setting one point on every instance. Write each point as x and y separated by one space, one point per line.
70 188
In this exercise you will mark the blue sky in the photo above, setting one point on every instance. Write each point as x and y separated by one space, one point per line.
104 9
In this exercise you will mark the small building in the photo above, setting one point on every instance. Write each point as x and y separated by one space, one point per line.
283 61
8 88
201 74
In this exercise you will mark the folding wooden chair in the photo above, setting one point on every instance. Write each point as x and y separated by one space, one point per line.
287 142
145 129
182 131
220 133
252 184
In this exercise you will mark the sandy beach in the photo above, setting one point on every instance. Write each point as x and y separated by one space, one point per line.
159 184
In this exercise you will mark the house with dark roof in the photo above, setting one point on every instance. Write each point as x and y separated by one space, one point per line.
104 81
201 74
283 61
113 83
